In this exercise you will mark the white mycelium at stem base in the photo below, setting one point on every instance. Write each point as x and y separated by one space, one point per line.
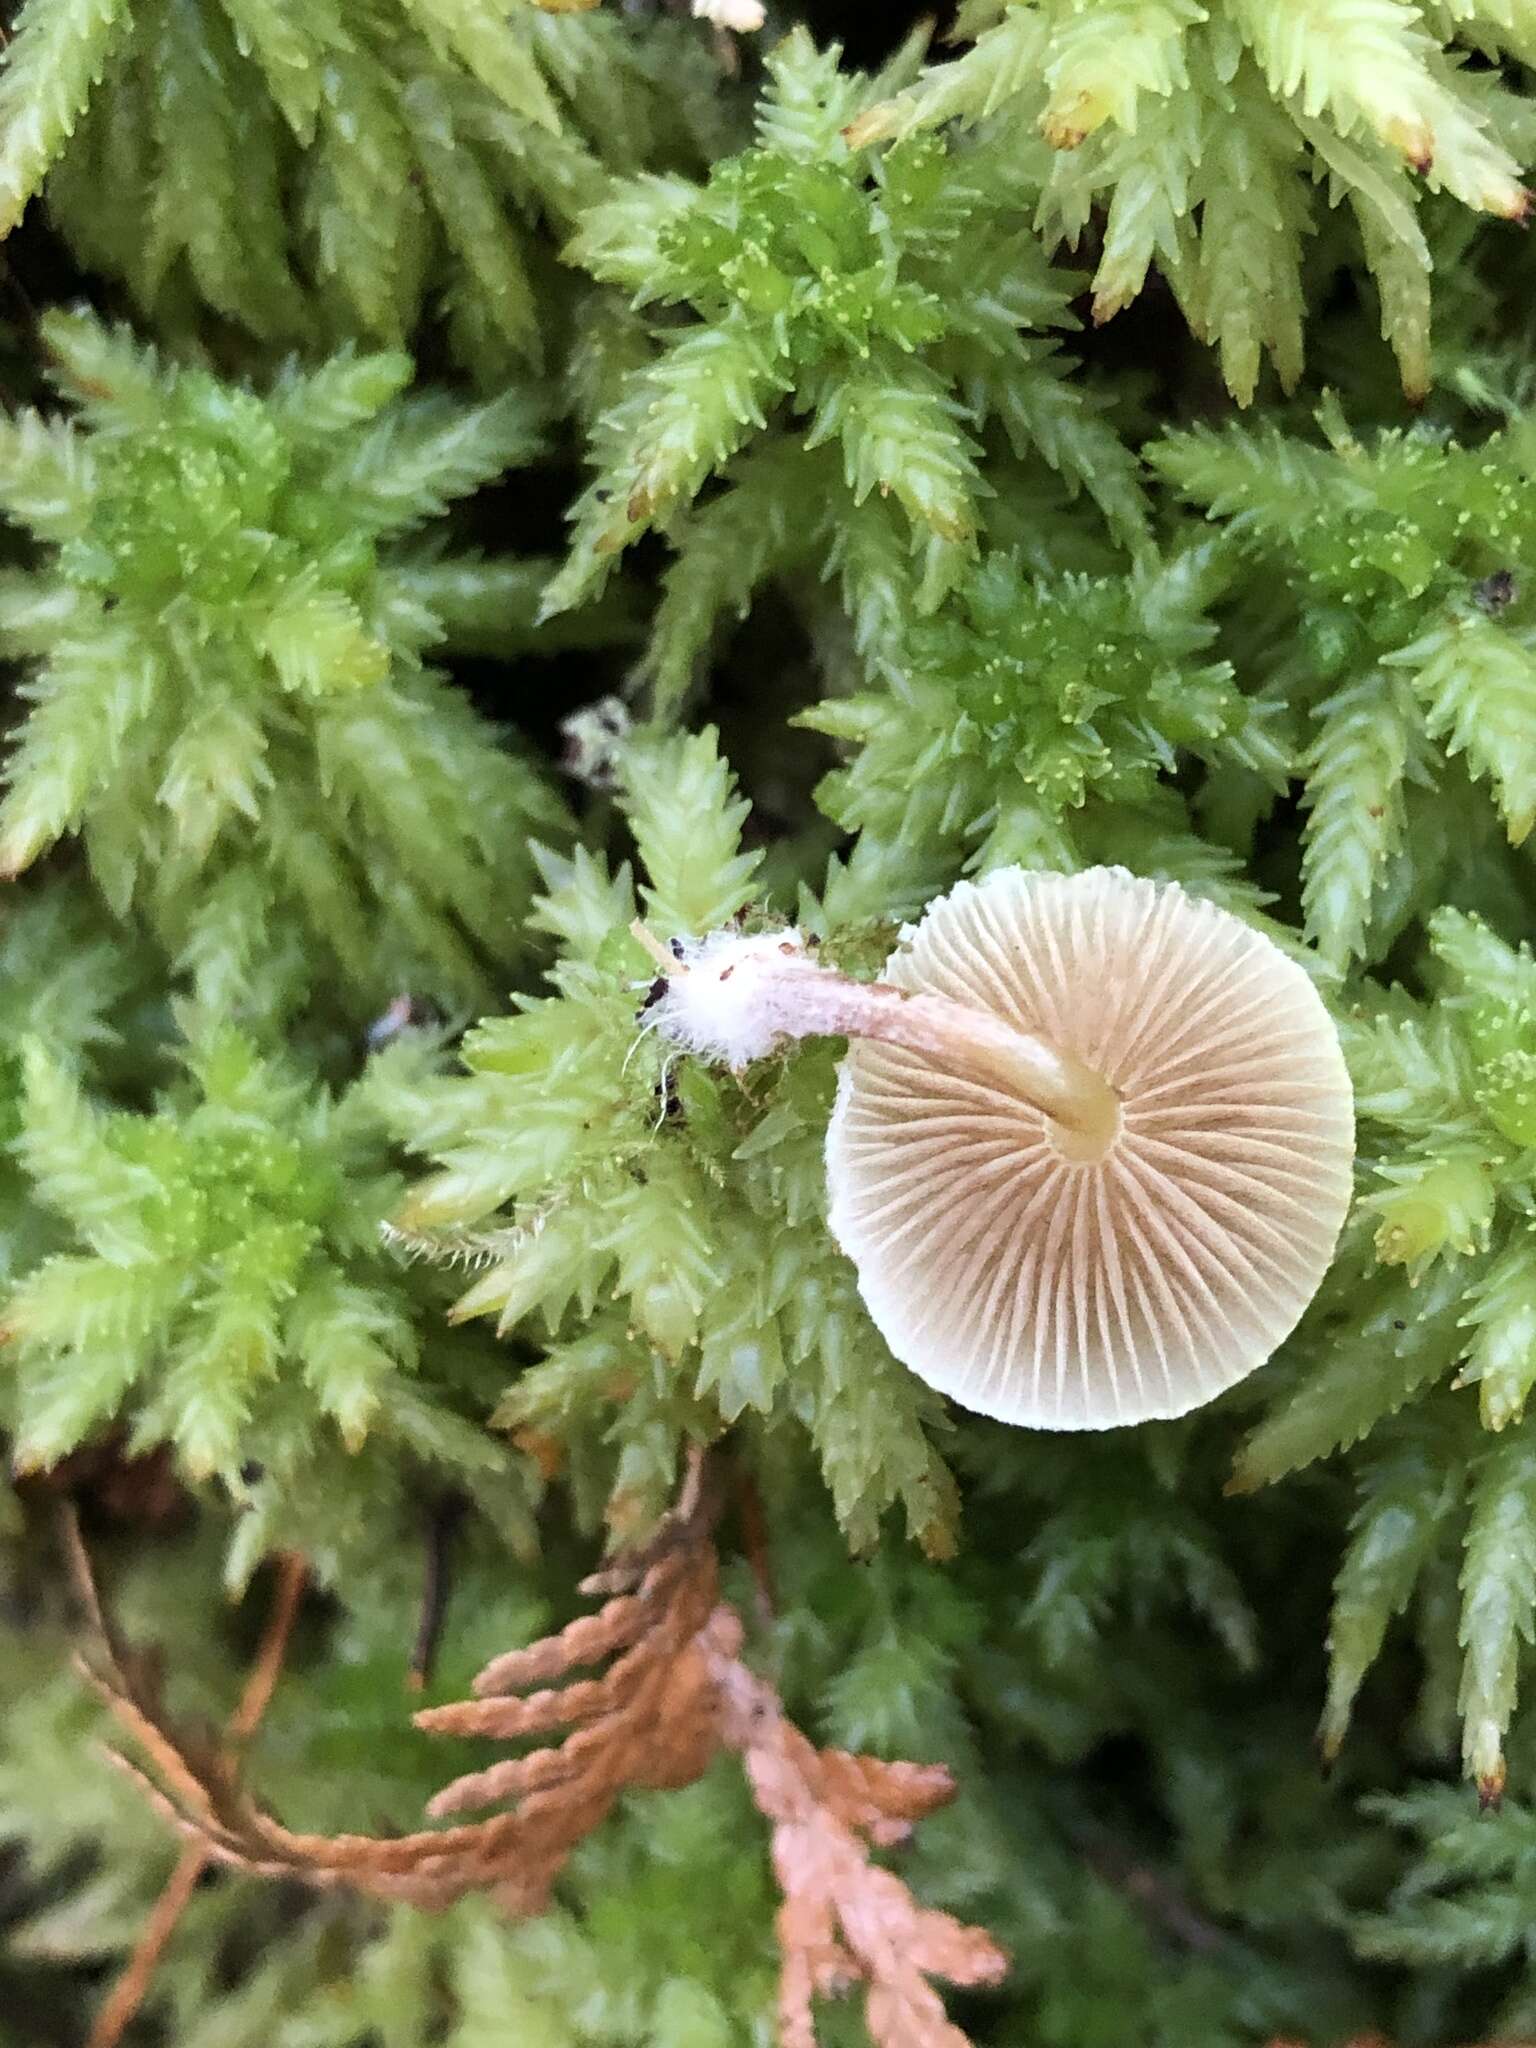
1093 1139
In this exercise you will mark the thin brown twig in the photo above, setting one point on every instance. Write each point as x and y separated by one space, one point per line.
132 1986
133 1982
82 1575
1154 1894
292 1576
434 1592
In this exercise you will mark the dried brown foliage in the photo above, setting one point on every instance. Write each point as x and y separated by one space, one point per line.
127 1994
844 1920
671 1694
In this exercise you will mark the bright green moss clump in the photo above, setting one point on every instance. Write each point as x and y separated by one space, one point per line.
230 702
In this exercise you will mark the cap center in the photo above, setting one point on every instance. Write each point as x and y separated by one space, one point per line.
1093 1141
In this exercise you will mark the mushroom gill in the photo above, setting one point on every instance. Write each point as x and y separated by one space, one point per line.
1131 1266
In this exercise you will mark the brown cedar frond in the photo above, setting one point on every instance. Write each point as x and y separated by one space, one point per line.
651 1724
649 1719
844 1920
671 1694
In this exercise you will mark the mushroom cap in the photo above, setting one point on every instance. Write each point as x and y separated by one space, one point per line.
1081 1293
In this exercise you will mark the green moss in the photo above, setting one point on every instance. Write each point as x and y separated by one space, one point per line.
346 1199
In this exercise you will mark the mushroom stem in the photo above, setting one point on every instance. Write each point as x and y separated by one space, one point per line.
812 1000
669 963
747 995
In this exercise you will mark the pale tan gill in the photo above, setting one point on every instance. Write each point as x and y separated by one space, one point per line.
1077 1294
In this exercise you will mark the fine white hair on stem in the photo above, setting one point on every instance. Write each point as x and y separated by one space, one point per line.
646 1025
663 1086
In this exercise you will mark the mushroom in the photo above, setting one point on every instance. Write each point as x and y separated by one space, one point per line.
1092 1143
